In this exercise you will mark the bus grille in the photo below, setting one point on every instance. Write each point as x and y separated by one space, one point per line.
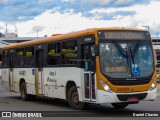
124 97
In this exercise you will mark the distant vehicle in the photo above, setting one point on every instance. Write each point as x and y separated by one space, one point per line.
101 65
158 65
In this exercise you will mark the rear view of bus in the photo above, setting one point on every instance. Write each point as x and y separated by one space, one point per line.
125 68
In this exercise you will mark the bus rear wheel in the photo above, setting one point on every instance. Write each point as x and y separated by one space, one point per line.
24 95
73 99
119 105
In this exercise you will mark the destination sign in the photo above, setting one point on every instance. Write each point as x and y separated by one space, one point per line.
126 35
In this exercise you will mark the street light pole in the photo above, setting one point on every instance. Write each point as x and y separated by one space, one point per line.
6 28
37 33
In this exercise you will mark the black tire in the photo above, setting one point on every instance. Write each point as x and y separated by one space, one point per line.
32 97
119 105
73 99
24 95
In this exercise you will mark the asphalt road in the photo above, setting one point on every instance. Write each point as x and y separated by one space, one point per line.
60 108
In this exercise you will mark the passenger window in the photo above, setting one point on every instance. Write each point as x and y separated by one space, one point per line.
69 52
19 62
54 54
5 58
29 56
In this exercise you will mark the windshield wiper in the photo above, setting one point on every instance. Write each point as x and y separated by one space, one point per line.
121 50
132 55
136 49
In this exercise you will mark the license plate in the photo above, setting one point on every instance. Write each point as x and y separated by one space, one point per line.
132 99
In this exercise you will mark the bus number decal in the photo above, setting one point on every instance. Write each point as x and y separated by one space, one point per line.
88 39
22 73
122 89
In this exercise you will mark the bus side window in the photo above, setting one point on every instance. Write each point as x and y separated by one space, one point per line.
19 57
29 56
54 54
5 59
69 52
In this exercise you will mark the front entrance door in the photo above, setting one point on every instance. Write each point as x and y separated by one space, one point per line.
88 65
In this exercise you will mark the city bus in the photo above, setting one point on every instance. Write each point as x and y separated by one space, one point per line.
98 66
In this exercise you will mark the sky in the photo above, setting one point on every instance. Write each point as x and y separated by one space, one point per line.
32 18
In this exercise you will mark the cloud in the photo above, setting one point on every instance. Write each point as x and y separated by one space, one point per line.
70 1
124 3
37 28
12 10
51 16
19 8
50 23
108 14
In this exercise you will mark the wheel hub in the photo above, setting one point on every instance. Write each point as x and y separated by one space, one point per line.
75 98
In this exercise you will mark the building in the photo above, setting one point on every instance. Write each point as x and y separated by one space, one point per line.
11 38
11 35
18 39
156 42
156 46
1 35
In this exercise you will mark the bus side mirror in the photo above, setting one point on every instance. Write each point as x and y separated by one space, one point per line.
158 81
95 50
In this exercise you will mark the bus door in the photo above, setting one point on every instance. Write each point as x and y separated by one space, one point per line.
11 80
88 64
39 71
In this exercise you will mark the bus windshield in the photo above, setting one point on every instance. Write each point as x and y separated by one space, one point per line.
126 59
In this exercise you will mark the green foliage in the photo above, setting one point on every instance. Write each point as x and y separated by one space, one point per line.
20 53
70 55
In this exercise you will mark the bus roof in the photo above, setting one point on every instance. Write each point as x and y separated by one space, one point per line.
64 36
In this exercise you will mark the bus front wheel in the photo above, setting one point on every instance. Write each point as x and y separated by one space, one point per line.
119 105
73 99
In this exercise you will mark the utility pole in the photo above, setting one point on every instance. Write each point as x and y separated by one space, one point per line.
6 28
15 29
157 35
37 33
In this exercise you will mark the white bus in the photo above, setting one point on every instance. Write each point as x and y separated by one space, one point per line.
101 65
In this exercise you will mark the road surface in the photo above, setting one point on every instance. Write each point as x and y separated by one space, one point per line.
59 108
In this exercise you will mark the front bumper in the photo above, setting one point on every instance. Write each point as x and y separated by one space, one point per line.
106 97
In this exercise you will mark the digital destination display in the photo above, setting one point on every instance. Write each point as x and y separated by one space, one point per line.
126 35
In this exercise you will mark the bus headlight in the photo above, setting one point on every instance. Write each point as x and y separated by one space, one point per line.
153 86
106 87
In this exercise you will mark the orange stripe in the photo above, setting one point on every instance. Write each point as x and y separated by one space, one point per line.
65 36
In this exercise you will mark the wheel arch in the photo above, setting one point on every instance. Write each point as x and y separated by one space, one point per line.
22 80
69 84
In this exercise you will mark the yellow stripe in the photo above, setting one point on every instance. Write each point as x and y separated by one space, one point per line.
64 36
